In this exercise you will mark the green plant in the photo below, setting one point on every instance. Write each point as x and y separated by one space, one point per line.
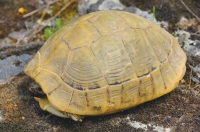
50 31
47 33
153 13
58 23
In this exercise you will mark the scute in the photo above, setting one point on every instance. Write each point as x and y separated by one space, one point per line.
82 70
61 96
48 80
113 60
56 62
157 41
109 27
33 67
169 76
134 21
74 36
105 62
140 51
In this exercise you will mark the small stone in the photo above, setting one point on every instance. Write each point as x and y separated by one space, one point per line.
194 79
23 118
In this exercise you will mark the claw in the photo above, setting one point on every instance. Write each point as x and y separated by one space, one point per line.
46 106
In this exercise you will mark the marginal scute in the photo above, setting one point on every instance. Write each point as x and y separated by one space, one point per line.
48 80
61 97
173 59
146 86
114 97
177 59
96 98
78 102
168 37
169 76
33 67
131 91
158 83
178 51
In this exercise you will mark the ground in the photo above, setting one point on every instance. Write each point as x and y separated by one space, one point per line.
177 111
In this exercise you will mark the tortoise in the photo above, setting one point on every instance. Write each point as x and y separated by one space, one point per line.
105 62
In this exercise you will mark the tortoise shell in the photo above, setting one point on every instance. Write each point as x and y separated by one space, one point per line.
105 62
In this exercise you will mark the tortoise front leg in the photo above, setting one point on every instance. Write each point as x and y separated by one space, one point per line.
46 106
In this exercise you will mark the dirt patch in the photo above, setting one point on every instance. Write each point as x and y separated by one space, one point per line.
30 48
10 19
178 110
166 10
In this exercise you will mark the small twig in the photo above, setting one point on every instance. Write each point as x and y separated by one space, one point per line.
45 11
35 11
31 13
52 18
190 10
